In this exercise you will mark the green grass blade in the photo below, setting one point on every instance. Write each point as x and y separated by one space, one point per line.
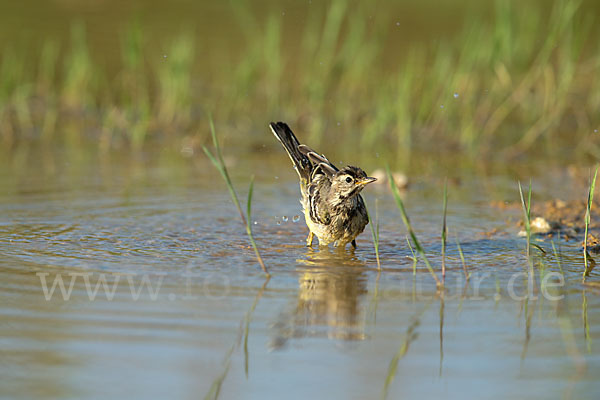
529 203
223 171
249 203
444 229
414 256
462 259
588 219
526 215
249 227
219 164
406 221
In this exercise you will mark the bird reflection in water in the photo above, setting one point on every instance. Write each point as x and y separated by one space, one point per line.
331 286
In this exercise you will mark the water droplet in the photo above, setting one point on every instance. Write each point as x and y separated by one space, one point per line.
164 56
397 23
255 222
284 218
278 222
442 106
595 130
296 218
276 177
456 95
339 123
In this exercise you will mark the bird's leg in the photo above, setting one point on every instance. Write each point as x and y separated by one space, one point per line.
309 239
354 243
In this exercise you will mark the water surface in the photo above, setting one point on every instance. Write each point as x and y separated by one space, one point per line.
327 324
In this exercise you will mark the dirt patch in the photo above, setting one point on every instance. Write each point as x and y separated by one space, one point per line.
558 217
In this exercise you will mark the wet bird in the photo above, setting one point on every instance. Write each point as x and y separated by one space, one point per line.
334 210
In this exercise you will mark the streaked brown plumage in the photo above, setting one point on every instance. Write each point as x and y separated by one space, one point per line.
334 210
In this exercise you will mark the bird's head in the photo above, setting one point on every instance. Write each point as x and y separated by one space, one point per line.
350 181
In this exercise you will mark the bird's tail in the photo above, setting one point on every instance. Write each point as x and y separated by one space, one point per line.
302 164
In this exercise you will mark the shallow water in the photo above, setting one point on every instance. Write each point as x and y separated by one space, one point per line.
327 324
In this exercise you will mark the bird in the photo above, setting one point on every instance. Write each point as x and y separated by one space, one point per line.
334 210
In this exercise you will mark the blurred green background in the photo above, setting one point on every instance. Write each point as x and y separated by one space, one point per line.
488 80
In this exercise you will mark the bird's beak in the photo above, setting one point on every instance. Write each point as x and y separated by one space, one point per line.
366 181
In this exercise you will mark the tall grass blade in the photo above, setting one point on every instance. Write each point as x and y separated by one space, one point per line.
526 216
462 259
414 256
409 227
444 230
249 226
219 164
588 210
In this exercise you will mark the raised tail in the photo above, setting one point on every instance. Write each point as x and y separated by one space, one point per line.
302 164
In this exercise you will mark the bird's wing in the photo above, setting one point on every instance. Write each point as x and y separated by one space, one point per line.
317 205
317 158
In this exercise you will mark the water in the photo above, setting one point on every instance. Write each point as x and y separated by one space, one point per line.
327 318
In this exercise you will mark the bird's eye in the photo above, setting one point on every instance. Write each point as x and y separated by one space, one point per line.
349 180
